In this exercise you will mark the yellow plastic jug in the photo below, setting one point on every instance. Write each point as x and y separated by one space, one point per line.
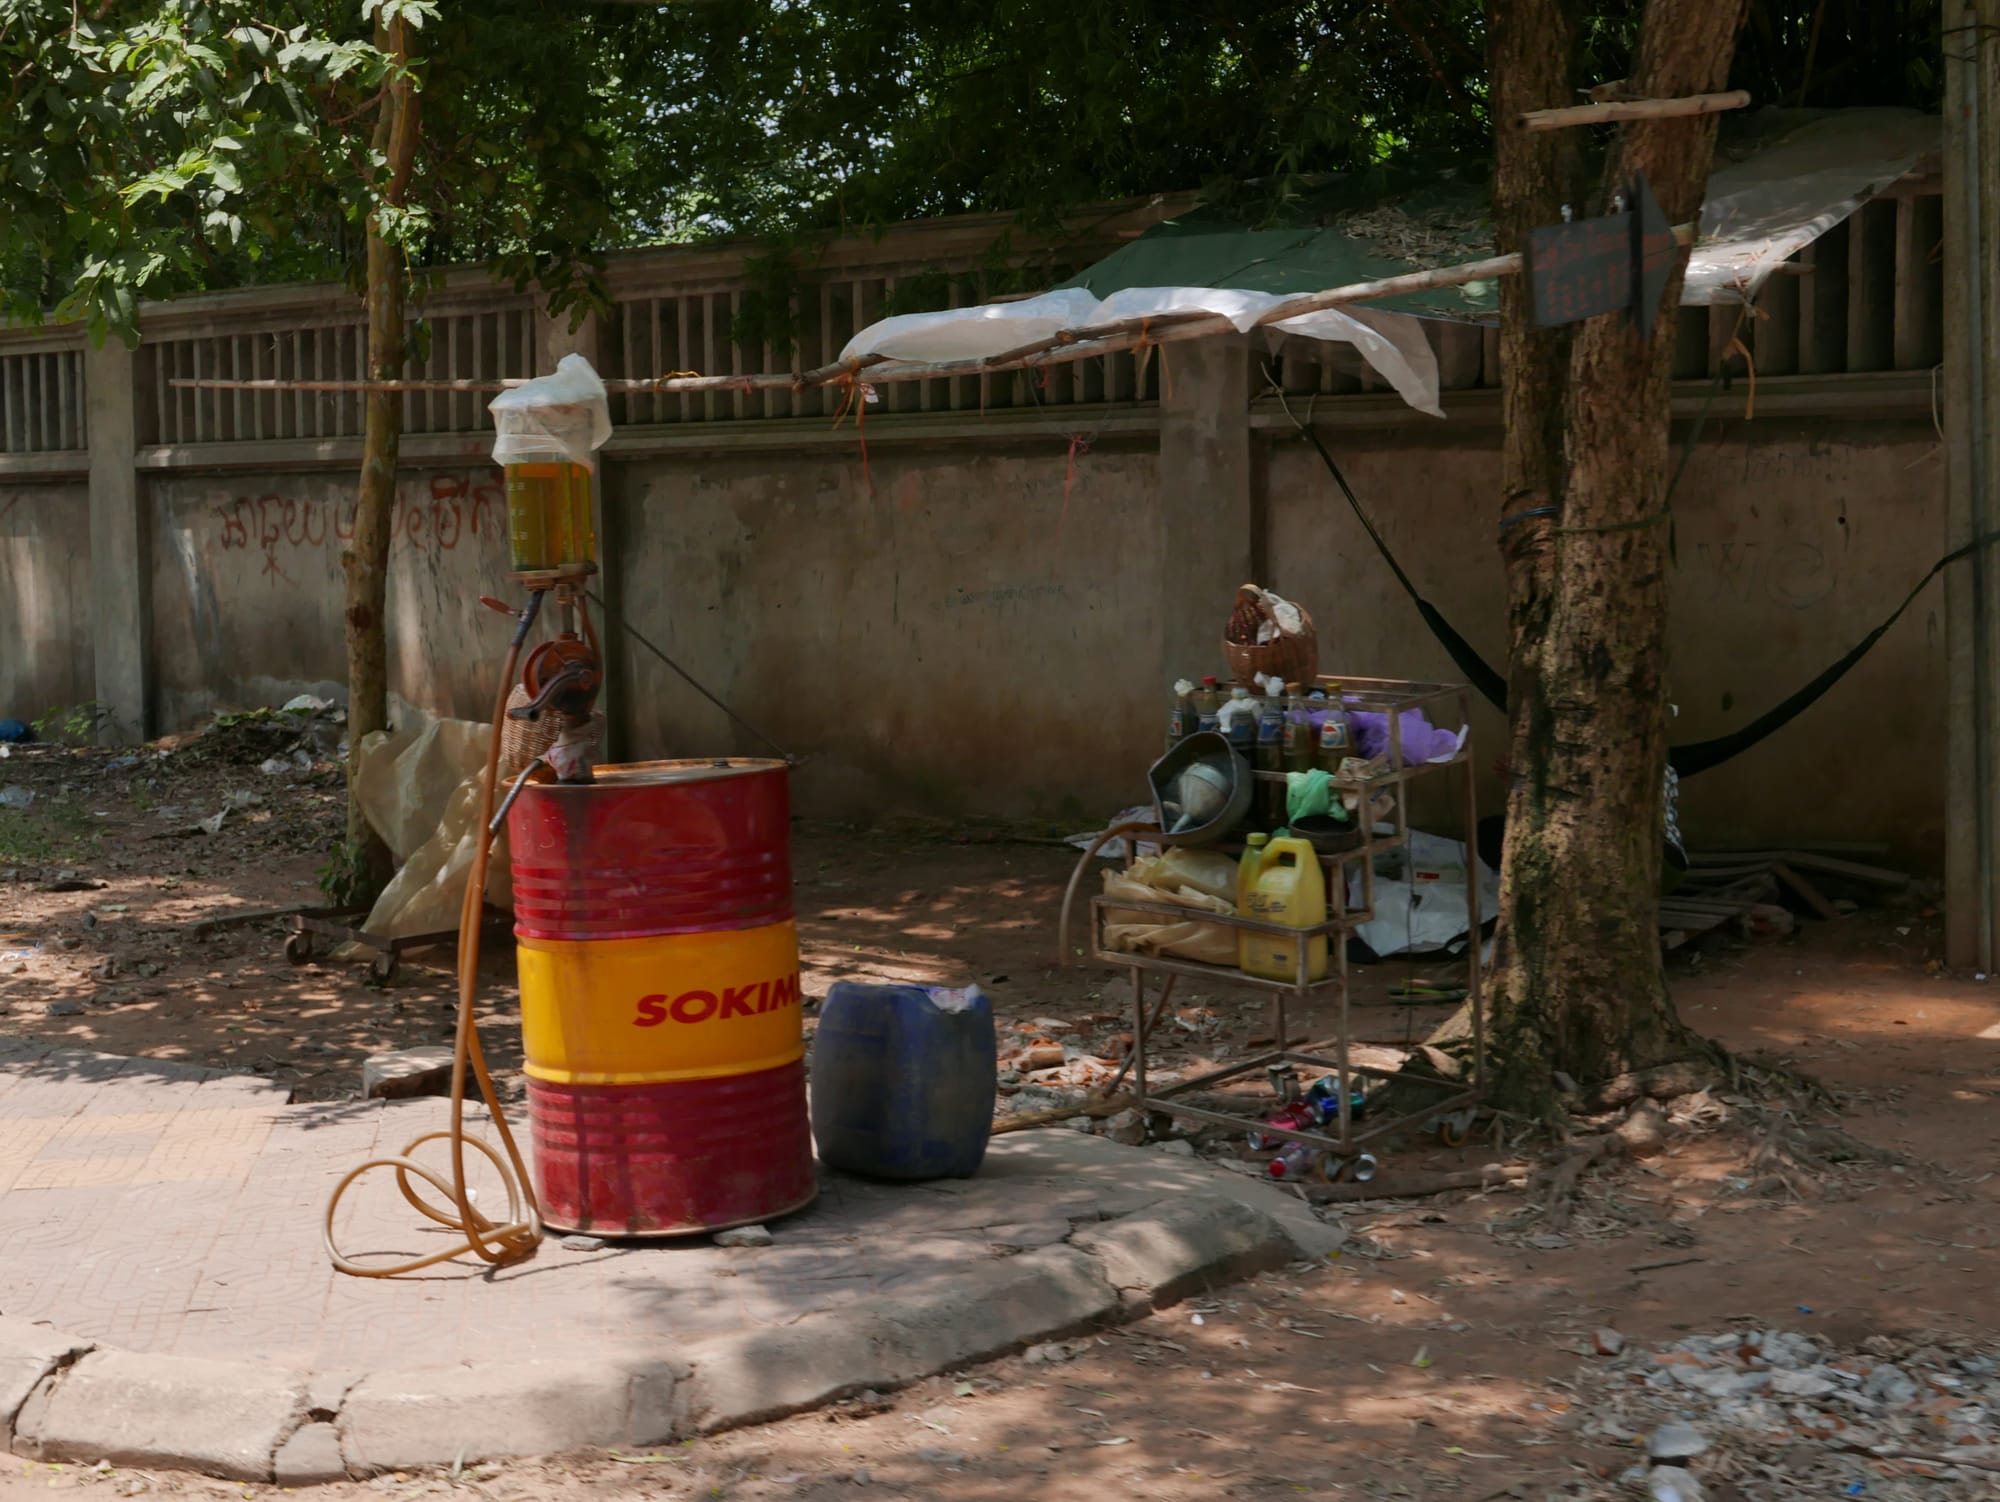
1285 887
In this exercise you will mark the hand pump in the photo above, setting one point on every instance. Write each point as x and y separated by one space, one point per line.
545 727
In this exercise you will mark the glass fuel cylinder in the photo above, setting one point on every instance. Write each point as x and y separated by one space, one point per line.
548 515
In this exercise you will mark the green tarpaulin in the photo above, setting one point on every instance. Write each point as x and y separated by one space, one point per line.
1442 225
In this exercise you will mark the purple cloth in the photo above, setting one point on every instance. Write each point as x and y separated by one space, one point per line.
1421 739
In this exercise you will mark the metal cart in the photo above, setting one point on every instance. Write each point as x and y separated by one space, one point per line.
341 925
1449 1105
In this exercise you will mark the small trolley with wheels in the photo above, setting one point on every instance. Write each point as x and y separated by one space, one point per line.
1328 1147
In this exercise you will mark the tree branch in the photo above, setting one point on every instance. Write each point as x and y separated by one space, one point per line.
1424 51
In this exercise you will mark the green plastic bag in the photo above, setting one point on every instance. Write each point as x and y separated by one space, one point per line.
1308 794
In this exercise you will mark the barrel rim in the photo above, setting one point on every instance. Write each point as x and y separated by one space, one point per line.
615 776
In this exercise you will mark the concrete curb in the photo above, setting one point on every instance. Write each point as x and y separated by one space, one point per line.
63 1398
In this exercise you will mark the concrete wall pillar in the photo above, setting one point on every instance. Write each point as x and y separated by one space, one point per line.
1208 511
1971 389
120 572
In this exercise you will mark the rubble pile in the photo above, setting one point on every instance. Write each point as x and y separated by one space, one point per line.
1779 1414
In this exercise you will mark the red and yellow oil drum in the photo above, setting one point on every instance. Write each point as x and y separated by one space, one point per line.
660 997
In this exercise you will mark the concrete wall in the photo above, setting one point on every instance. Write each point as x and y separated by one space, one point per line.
247 589
960 639
982 633
1793 540
45 628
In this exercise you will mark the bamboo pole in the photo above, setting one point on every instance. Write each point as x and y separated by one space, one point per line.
1632 109
267 384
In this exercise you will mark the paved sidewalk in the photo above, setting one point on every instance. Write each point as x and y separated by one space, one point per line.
172 1212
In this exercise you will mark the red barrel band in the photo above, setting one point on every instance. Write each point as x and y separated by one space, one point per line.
653 848
654 1160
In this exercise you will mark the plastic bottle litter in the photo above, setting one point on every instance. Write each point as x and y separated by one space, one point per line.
1300 1116
1296 1162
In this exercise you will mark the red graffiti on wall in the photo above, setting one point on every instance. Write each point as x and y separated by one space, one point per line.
460 505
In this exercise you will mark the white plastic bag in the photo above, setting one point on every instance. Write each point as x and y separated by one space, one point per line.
1427 913
560 416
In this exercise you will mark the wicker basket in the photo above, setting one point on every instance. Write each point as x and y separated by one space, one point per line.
1294 659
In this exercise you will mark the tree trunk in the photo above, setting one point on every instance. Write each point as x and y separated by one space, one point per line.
1578 984
366 560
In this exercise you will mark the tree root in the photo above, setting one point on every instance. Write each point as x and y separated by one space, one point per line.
1761 1074
1092 1107
1661 1082
1415 1185
1556 1183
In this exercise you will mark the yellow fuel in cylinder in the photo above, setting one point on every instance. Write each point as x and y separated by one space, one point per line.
548 516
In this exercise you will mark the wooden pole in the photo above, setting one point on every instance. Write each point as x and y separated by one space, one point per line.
1632 109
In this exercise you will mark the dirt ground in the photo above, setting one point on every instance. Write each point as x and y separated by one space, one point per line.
1446 1353
109 884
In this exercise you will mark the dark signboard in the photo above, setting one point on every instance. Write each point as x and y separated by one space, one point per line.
1581 269
1617 263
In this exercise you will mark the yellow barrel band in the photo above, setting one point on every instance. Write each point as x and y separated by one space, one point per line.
654 1010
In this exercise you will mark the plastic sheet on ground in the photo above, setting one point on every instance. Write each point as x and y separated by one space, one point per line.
419 790
1429 912
1121 849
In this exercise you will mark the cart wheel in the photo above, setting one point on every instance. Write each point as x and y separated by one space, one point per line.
1453 1130
384 968
299 947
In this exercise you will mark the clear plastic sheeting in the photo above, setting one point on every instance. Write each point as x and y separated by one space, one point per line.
973 333
1393 344
565 416
1803 175
1761 211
